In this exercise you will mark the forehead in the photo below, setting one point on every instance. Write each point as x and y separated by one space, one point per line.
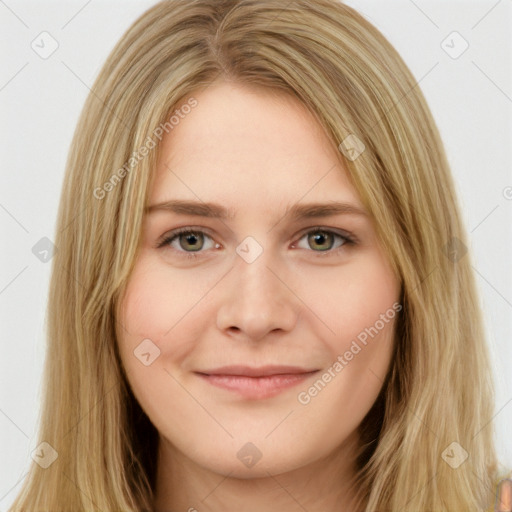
249 147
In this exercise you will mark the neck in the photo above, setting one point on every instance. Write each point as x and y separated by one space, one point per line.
325 484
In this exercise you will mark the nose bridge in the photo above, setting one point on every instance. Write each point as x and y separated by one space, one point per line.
257 301
256 279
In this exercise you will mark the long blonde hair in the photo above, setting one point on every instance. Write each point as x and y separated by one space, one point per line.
439 389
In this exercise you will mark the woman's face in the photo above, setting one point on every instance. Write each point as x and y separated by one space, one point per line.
258 342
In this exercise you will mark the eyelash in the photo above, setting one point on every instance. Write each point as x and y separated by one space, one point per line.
349 240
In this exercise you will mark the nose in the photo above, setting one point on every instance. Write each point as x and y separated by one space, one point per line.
257 299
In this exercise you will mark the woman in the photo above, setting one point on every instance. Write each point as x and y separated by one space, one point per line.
257 372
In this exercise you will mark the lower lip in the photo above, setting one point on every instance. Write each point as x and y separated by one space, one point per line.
257 387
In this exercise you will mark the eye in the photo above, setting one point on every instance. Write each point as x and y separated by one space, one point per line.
325 239
189 241
183 239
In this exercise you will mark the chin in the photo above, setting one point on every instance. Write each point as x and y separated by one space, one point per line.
260 470
248 463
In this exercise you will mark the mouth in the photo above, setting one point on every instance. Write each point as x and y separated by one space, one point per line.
256 383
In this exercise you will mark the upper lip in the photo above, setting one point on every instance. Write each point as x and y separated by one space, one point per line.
261 371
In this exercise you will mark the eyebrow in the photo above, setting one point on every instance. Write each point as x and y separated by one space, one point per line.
217 211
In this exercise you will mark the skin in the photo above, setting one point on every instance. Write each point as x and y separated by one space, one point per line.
257 153
504 496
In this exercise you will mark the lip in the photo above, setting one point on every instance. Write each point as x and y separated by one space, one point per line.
256 383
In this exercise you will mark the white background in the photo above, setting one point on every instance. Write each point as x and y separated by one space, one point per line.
40 99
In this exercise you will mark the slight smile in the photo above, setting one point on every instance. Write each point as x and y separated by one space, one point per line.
256 383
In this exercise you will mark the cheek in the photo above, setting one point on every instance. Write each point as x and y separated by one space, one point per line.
353 300
362 309
154 306
359 307
165 306
159 301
